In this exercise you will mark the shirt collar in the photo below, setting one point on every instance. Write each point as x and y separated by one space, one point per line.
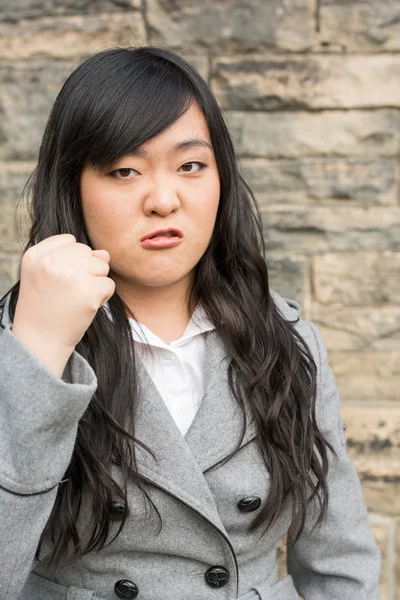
198 324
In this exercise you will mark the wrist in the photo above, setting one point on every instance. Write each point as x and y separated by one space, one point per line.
50 351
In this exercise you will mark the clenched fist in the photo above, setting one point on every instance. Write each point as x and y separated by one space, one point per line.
63 284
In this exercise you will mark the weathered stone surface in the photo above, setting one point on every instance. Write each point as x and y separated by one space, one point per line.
9 265
26 95
382 495
288 276
28 9
362 278
306 81
327 229
381 529
363 328
237 26
200 62
13 222
363 181
292 134
70 37
373 440
396 561
367 376
355 26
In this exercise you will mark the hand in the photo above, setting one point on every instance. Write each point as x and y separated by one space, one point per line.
63 284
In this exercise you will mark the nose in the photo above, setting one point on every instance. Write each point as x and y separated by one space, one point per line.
162 198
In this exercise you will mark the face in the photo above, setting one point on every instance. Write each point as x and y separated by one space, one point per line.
169 188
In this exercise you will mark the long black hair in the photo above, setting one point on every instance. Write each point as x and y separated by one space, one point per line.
111 104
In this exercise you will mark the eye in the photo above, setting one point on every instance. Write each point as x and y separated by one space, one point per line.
187 167
124 173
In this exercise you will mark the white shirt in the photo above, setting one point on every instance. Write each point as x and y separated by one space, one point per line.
176 368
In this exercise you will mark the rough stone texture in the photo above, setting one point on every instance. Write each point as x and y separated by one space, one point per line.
9 265
373 440
355 26
367 375
328 229
397 563
357 278
303 181
235 26
289 275
298 82
362 328
292 134
26 95
71 37
12 10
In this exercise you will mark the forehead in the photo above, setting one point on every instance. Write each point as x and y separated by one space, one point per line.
192 124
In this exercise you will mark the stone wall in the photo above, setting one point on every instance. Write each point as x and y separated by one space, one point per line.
311 93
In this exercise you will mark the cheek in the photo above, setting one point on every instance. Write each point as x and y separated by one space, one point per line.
102 216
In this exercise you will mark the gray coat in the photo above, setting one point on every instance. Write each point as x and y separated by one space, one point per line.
202 526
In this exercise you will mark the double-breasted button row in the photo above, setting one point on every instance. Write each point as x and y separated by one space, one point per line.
249 503
126 589
216 577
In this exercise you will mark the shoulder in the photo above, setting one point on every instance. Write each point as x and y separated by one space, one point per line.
308 331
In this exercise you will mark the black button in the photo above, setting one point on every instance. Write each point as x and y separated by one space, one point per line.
126 589
249 503
117 509
217 576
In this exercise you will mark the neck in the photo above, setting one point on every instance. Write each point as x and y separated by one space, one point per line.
163 309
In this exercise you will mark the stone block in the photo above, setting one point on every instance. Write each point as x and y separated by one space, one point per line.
373 439
237 26
382 494
357 278
70 37
9 267
26 9
397 562
316 81
27 93
288 276
13 222
294 134
366 376
361 328
327 229
354 26
325 180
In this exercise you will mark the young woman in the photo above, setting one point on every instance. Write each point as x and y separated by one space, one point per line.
165 417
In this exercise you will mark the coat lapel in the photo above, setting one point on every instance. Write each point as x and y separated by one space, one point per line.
179 462
173 467
217 426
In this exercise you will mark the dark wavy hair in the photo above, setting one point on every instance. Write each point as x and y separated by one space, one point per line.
111 104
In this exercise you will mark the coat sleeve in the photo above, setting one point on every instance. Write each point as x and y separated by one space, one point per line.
338 559
39 415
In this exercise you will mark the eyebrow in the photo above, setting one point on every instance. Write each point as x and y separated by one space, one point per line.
179 147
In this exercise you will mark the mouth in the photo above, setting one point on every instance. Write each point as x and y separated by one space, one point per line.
169 233
162 238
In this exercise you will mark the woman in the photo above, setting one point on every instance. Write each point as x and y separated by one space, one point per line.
166 418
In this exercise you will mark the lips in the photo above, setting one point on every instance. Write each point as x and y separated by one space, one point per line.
162 239
170 233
